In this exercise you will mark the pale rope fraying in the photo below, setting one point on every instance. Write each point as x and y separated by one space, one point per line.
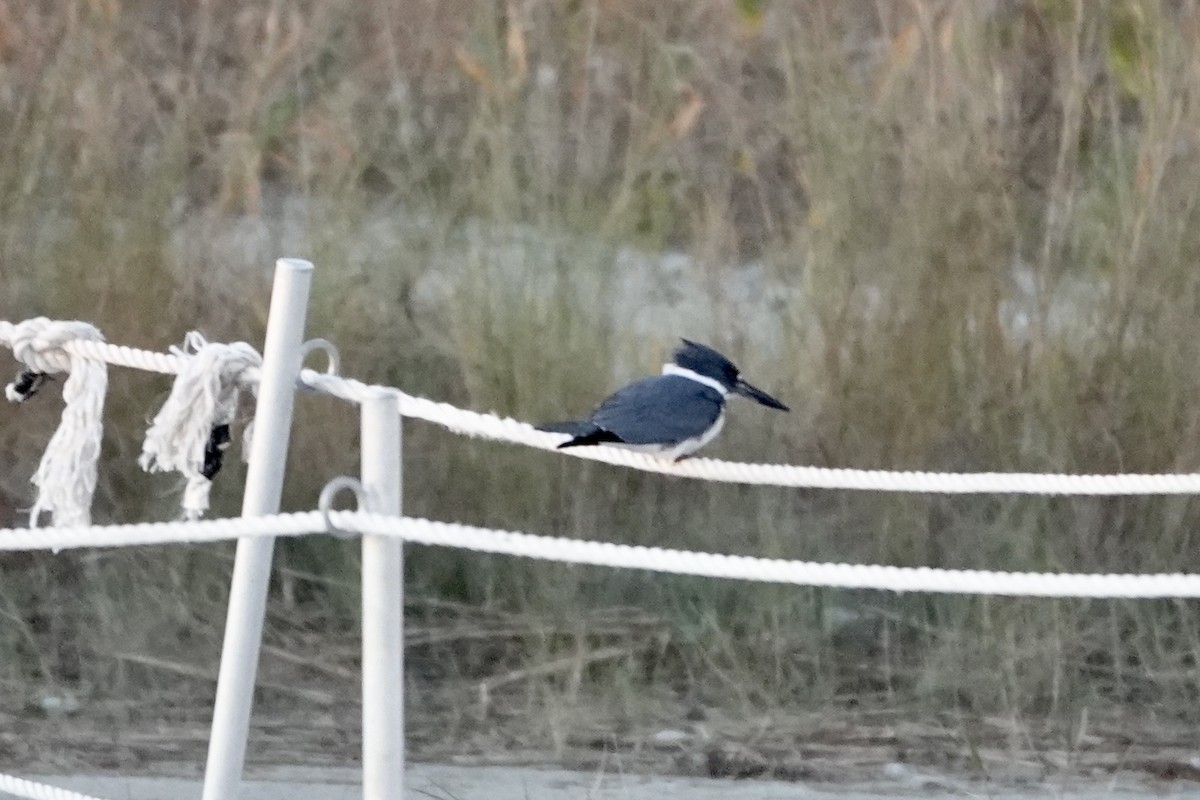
608 554
54 346
205 394
66 477
19 787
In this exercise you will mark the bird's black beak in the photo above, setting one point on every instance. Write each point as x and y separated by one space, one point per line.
754 393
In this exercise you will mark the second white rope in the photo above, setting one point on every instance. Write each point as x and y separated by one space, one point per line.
609 554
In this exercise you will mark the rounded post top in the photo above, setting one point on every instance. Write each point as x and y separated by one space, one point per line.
381 394
294 264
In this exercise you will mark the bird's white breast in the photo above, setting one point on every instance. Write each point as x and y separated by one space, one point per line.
679 449
689 446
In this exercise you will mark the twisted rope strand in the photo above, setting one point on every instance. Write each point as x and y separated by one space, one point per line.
609 554
506 429
32 790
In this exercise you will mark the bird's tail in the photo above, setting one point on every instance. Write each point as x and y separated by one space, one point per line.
573 427
581 433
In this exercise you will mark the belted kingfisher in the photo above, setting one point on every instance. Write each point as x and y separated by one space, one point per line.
672 414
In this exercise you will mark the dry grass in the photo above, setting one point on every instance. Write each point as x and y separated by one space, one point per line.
984 215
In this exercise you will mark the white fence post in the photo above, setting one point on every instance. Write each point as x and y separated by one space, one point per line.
252 569
382 605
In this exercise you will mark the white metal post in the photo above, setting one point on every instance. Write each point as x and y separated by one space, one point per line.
382 605
252 569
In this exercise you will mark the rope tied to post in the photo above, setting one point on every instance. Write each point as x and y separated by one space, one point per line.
66 477
191 432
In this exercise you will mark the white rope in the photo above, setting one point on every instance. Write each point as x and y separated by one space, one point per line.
505 429
767 570
204 396
203 400
95 349
149 533
66 477
19 787
608 554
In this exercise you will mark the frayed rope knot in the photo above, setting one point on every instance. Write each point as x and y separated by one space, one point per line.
66 478
192 430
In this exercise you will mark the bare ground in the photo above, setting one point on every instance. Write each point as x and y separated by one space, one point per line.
469 706
314 726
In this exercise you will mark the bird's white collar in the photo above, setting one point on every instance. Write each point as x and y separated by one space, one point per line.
692 375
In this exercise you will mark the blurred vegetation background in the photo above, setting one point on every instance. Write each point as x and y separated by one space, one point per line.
952 235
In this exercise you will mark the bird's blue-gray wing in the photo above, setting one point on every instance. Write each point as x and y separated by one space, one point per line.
663 409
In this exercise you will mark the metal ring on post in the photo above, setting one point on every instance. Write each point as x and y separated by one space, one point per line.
325 502
328 348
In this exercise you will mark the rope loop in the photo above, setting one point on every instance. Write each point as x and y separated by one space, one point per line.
331 490
39 343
